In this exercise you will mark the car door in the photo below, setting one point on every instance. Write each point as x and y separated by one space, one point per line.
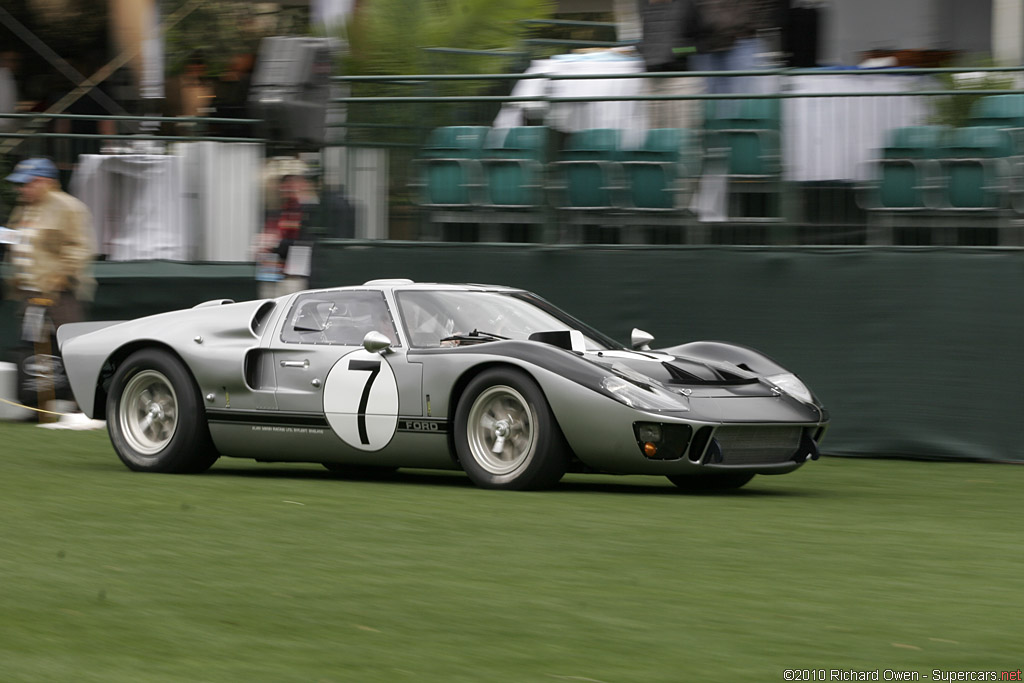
322 369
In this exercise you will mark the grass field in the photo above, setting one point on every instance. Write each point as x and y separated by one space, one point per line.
270 573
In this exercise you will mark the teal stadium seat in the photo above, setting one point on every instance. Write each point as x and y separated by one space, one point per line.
659 177
977 163
747 133
908 168
514 168
1001 111
589 170
448 172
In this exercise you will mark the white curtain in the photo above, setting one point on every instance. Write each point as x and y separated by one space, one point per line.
137 204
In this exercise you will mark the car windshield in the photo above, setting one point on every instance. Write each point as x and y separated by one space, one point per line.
430 316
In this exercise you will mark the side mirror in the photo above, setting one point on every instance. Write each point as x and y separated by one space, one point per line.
640 340
376 342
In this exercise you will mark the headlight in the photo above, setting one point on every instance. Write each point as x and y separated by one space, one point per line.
642 399
789 383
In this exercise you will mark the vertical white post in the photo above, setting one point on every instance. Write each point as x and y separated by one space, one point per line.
368 186
1008 32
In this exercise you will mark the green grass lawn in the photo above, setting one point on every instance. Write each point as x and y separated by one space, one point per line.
289 573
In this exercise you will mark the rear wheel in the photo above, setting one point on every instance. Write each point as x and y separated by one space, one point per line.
506 436
697 483
155 418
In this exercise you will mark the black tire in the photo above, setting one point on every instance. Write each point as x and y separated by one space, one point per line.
155 416
701 483
504 408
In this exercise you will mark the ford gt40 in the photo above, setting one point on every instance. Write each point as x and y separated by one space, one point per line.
491 380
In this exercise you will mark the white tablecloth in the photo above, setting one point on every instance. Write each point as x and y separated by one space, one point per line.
824 138
570 117
224 183
835 138
137 203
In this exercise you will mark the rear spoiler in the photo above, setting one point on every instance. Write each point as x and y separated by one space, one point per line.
72 330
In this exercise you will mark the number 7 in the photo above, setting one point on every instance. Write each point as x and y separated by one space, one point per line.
374 367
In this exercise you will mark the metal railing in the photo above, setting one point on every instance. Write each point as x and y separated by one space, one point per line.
828 141
814 203
172 188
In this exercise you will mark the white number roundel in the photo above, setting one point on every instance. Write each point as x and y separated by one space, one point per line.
361 400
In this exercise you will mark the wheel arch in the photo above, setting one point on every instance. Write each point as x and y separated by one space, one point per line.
459 388
114 361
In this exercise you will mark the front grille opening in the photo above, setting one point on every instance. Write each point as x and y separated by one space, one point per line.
808 447
758 445
699 443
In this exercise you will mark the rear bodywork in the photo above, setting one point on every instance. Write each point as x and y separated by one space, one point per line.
272 395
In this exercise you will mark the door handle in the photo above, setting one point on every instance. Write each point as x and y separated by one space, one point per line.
295 364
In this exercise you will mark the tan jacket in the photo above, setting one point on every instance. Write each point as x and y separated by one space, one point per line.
57 249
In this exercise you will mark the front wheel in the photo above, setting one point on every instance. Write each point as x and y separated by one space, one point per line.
506 436
701 483
154 416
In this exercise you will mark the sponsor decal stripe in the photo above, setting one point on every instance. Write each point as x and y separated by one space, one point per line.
423 424
259 417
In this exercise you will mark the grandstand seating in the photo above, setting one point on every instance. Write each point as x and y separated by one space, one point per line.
501 177
494 178
949 180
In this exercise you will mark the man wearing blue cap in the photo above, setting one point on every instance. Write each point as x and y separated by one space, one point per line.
51 257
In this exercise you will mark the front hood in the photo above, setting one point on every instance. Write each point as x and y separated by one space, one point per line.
709 387
678 371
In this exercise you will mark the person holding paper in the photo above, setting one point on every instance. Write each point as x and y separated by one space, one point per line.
282 250
50 259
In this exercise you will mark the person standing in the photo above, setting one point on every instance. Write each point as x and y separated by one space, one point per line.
730 35
231 97
664 46
283 248
49 264
190 94
9 61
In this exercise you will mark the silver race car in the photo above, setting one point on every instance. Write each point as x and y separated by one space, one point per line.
492 380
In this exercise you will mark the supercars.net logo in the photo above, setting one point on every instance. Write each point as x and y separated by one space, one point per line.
896 675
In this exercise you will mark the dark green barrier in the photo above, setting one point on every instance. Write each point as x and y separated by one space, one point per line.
915 351
133 289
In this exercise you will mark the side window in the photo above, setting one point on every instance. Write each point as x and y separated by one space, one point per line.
338 318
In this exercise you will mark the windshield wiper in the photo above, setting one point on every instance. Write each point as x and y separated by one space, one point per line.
476 336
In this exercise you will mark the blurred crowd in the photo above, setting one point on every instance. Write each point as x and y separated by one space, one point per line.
193 93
